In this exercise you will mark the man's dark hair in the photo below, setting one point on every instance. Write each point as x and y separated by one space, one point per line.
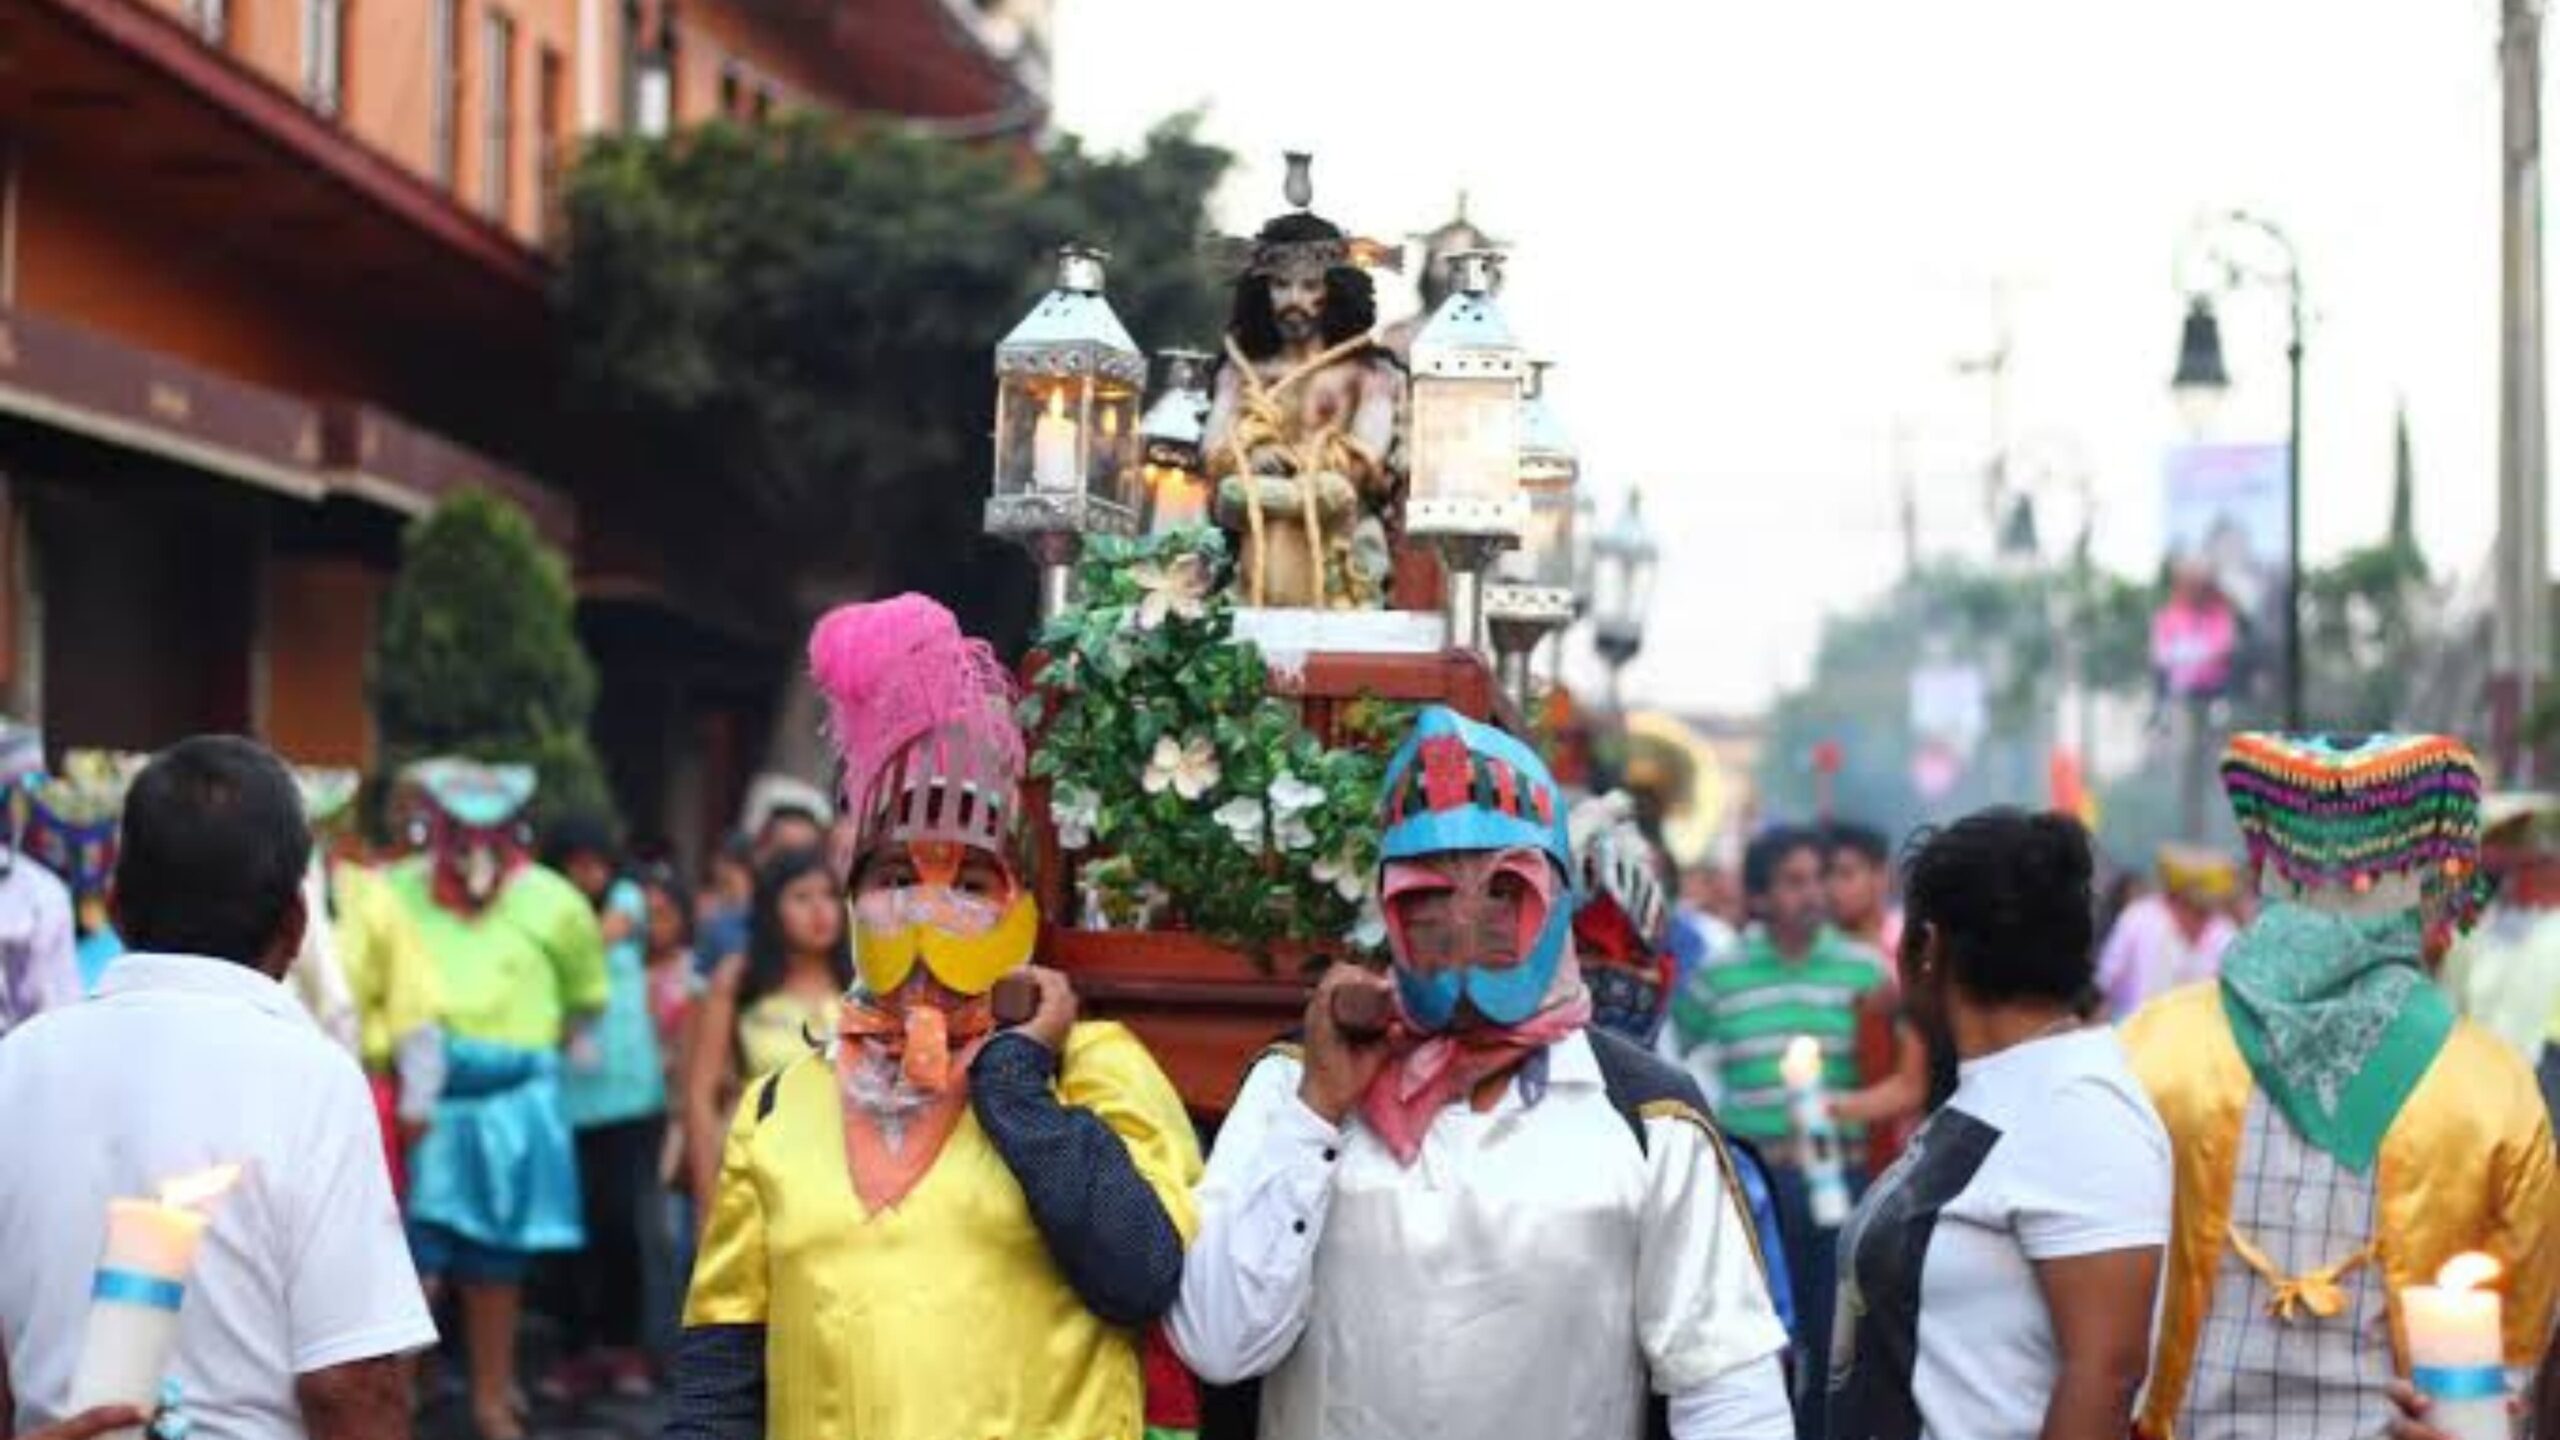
1864 841
1350 296
580 832
2008 895
213 851
1771 849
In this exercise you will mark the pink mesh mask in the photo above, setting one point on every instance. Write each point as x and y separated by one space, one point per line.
923 716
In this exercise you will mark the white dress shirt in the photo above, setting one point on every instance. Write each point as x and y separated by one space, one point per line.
179 1064
1533 1272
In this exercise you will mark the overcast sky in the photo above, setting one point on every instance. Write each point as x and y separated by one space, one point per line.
1760 236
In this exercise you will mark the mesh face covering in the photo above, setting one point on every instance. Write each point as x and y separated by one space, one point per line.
474 826
1456 786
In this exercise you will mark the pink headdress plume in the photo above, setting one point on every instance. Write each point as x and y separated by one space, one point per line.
923 716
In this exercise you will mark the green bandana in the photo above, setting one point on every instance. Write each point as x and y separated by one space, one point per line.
2337 1020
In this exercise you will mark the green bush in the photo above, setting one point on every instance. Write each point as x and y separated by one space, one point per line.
478 654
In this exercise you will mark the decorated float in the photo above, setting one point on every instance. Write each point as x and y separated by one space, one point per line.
1249 579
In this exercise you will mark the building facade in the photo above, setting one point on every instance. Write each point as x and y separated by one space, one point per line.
274 277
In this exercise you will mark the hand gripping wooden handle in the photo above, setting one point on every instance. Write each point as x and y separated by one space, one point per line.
1362 1014
1014 1001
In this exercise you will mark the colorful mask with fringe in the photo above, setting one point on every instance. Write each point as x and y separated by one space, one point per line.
70 824
1621 932
475 826
2344 814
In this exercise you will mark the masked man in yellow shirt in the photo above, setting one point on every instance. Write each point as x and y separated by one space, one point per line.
2339 1133
926 1227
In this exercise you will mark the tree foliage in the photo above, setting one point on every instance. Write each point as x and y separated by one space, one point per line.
791 325
478 654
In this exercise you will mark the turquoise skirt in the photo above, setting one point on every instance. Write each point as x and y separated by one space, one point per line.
498 1166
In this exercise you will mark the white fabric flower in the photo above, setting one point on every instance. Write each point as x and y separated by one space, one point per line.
1370 930
1189 768
1076 810
1349 880
1292 833
1242 819
1180 588
1291 796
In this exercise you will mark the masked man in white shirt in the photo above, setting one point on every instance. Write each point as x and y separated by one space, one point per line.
1489 1218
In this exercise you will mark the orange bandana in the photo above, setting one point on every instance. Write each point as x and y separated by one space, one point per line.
905 1087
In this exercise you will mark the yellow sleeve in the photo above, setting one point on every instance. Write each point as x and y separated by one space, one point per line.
730 1284
1108 1071
400 990
2524 1235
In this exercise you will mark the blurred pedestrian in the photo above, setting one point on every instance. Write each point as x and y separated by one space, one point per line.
674 988
303 1303
39 951
2505 974
614 1092
727 897
1998 1282
1791 975
1857 884
764 1006
2176 934
494 1180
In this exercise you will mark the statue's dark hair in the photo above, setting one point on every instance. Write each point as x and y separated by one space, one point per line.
1350 296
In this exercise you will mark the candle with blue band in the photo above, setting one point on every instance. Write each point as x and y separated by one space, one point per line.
2456 1351
140 1286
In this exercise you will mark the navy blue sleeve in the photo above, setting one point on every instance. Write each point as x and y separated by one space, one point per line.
716 1386
1104 1226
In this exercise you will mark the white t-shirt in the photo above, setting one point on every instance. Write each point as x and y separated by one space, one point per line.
177 1065
2047 1149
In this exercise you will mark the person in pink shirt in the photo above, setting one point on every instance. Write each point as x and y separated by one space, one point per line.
2173 936
2194 635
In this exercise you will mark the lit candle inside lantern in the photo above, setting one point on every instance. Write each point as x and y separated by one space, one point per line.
1817 1139
141 1279
1181 500
1053 448
2457 1356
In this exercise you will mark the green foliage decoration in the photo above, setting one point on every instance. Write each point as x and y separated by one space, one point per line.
1176 773
478 654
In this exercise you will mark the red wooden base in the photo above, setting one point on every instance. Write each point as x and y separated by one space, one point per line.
1203 1009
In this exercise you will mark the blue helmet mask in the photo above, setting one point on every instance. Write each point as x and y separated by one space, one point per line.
1459 787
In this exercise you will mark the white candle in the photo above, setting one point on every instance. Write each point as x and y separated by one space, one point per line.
2457 1356
1053 448
141 1280
1817 1139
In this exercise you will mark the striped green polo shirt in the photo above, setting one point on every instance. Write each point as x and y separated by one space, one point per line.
1750 1001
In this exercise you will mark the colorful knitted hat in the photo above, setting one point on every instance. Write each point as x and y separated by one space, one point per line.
2331 811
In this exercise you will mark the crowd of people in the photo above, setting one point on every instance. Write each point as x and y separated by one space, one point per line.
1943 1139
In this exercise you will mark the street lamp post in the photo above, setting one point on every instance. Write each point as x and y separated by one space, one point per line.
1622 561
2201 382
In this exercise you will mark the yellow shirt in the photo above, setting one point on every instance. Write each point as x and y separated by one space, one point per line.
389 971
2467 1165
944 1316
